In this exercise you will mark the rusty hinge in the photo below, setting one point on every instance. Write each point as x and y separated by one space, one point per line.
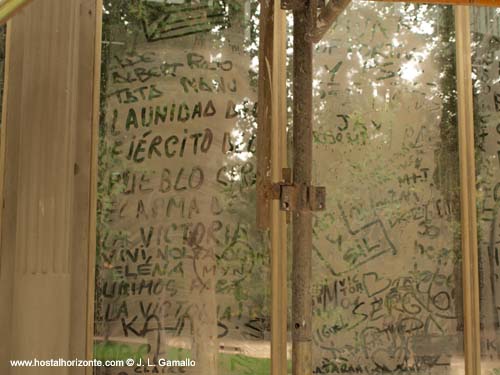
297 198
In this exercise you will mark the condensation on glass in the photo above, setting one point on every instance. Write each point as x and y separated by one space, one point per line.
485 27
182 271
387 293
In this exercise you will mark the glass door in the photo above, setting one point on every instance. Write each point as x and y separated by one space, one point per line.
182 272
387 258
185 271
485 61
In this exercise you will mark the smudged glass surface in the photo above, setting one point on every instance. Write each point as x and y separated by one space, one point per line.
485 27
181 269
387 293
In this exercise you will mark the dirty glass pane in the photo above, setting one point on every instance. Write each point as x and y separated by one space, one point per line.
182 271
387 293
485 27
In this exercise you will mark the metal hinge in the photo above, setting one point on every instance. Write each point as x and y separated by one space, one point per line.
297 198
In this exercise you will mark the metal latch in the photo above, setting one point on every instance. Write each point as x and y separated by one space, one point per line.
298 198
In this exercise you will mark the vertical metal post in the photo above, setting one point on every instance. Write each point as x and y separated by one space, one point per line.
302 165
271 158
279 263
470 268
